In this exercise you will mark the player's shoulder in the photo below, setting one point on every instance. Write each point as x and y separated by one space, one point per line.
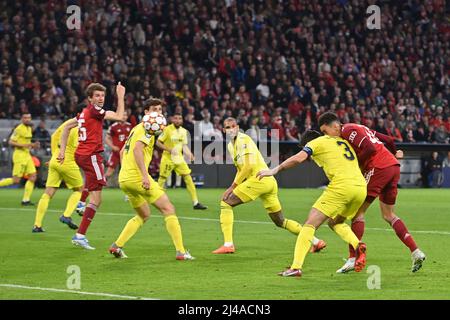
350 127
115 124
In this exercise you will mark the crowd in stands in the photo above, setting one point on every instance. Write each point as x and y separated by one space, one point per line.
271 64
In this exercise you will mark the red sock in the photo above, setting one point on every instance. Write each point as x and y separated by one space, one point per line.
358 230
88 215
84 195
403 234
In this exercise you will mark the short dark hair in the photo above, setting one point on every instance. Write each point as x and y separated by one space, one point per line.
178 114
152 102
327 118
230 119
94 87
308 136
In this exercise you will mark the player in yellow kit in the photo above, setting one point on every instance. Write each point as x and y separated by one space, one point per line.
174 141
142 190
69 172
246 187
23 164
340 201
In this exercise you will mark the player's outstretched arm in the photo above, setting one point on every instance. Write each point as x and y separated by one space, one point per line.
138 152
118 114
72 123
162 146
287 164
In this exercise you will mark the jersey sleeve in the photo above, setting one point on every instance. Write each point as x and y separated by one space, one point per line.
354 135
245 147
145 138
163 136
312 147
16 134
111 131
98 113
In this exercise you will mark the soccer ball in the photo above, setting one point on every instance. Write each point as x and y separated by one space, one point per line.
154 123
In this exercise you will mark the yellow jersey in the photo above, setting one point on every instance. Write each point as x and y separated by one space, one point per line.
174 138
130 170
338 159
71 147
22 134
242 146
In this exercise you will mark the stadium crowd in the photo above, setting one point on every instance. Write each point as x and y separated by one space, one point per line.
271 64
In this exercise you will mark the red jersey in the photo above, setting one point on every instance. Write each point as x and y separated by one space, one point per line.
90 130
358 136
119 133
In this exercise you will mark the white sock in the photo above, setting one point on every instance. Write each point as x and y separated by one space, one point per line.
195 203
315 241
79 235
228 244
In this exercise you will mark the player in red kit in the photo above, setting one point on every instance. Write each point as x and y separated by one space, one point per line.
382 172
116 137
88 155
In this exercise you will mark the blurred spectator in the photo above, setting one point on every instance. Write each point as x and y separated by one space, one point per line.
42 135
446 162
306 57
435 170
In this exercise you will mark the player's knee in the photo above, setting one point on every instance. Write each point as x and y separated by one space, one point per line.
168 208
16 180
32 178
278 219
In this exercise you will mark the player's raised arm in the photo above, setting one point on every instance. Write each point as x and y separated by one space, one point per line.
118 114
64 136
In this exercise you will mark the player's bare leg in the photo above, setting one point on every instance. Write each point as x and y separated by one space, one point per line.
294 227
417 256
167 209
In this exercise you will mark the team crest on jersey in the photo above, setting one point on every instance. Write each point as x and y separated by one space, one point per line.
148 135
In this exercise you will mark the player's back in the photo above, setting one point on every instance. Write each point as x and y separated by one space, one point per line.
357 135
242 146
72 143
338 160
129 169
119 132
90 130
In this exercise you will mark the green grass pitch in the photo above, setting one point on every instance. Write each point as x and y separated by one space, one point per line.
41 260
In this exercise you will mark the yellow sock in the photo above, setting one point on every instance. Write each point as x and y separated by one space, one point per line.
162 181
174 229
132 226
292 226
6 182
72 203
345 232
29 186
190 186
41 209
226 221
302 245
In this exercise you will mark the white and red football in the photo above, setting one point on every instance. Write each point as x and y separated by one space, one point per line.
154 123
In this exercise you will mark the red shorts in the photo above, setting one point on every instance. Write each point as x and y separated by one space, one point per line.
93 169
383 183
113 160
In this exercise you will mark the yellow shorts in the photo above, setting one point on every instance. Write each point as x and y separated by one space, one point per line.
138 195
69 172
167 166
343 202
23 167
266 189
